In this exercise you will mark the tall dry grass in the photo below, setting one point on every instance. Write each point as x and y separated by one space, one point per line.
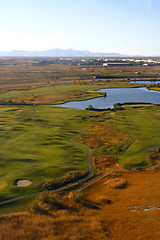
59 225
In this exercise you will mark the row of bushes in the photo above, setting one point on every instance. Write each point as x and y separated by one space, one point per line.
70 177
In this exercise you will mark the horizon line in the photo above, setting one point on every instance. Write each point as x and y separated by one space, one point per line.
98 52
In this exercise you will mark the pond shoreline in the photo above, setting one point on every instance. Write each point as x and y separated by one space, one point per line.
113 96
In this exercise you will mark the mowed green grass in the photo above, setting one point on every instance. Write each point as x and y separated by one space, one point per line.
36 148
143 125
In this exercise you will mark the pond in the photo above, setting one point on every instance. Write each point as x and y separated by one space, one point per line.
83 68
116 95
146 82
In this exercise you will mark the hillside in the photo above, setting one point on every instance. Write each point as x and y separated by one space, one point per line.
58 53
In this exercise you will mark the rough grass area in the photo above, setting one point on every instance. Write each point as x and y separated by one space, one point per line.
106 141
56 93
48 95
124 136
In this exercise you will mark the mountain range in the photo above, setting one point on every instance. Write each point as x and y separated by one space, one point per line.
58 53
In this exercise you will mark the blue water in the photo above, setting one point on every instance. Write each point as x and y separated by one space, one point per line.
149 82
83 68
116 95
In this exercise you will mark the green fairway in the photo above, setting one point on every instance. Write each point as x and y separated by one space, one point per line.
143 125
37 148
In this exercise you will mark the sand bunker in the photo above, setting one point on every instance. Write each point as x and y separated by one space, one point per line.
22 183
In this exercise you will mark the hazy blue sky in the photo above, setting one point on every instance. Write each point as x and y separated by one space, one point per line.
122 26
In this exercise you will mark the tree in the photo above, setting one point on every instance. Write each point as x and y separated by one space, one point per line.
90 107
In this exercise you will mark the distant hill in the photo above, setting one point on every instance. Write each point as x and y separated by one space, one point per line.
58 53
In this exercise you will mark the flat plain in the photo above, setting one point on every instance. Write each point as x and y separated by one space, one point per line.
34 146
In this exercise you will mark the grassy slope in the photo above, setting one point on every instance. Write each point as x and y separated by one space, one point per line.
37 148
143 126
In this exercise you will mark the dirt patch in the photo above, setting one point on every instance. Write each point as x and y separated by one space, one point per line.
116 183
22 183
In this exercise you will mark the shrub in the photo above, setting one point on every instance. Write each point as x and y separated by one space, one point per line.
78 197
70 177
153 157
90 107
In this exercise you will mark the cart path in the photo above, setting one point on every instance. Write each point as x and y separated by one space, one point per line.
89 163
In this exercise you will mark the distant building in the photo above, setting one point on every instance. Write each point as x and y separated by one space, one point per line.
119 64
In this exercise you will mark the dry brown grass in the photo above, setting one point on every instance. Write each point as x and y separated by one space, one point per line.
105 213
104 135
104 162
19 73
142 192
45 99
59 225
107 141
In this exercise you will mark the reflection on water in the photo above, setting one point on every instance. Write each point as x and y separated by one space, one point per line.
117 95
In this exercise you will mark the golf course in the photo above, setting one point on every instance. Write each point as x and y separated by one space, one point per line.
34 142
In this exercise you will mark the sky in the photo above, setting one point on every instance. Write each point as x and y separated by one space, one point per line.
129 27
